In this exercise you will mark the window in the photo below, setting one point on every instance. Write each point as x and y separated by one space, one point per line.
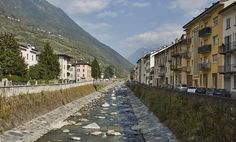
32 57
27 56
214 80
227 23
83 70
215 40
79 70
215 21
234 81
214 58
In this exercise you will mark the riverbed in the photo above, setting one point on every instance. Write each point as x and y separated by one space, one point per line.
109 119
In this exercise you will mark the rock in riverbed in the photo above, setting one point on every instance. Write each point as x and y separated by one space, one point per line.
91 126
105 105
113 133
66 131
76 138
96 133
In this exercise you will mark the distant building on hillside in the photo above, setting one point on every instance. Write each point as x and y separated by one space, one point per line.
29 53
64 61
82 71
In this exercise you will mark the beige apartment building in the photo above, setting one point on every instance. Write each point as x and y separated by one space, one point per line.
83 71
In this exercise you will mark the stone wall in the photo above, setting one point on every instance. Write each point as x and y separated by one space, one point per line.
17 90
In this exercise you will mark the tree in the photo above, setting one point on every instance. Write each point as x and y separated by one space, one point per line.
109 72
11 61
96 72
48 67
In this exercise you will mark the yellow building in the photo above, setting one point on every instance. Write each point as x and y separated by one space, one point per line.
180 61
205 32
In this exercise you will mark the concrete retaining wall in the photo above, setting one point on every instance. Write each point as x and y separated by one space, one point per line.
11 91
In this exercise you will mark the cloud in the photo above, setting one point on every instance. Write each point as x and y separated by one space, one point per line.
162 35
92 6
82 6
93 26
107 14
193 7
140 4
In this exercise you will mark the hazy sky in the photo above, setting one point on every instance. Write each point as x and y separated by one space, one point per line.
126 25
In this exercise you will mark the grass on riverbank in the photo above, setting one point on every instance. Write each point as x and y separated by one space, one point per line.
191 117
20 109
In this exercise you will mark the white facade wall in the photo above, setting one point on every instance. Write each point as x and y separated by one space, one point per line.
29 53
230 13
63 67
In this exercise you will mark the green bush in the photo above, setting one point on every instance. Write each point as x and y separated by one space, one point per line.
191 117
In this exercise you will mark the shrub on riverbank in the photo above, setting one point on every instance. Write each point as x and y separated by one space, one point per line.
191 117
20 109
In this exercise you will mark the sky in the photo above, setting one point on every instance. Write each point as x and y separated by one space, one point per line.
128 25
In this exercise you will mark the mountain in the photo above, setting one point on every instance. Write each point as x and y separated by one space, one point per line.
38 22
133 58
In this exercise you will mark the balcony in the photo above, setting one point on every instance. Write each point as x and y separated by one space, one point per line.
204 49
228 48
162 74
227 69
175 67
186 55
175 54
186 69
204 66
188 40
161 65
204 32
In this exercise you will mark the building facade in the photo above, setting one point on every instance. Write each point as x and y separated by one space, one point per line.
64 61
228 49
83 71
205 32
29 53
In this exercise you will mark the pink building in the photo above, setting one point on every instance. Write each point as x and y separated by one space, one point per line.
83 71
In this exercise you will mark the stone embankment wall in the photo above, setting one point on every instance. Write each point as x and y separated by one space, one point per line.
17 90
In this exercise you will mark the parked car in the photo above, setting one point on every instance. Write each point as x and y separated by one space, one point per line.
210 91
182 87
201 90
222 93
191 89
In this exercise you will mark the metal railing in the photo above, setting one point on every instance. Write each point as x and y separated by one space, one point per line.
204 49
227 68
205 31
227 48
204 66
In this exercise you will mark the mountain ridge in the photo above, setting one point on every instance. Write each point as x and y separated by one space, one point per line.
40 20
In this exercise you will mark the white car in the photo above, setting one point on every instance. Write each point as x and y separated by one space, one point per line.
191 89
182 87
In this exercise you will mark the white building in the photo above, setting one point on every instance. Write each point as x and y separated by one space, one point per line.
228 49
29 53
64 61
71 73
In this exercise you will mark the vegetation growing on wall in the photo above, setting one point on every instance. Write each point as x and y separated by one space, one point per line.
19 109
191 117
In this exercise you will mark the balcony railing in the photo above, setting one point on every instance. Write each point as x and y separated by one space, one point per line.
204 66
205 31
186 69
175 54
228 48
227 69
186 55
204 49
188 40
161 65
175 67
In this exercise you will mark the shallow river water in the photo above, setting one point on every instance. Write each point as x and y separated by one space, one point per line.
111 113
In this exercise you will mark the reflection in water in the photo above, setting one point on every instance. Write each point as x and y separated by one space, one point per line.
113 121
